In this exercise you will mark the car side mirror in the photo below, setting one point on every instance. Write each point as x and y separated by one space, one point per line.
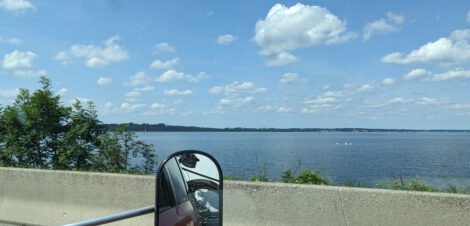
189 187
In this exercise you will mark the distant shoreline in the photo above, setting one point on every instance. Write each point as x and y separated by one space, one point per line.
161 127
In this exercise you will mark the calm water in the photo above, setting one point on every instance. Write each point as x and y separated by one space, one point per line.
437 158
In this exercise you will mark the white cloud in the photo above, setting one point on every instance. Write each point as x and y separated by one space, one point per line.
133 94
228 104
266 108
284 109
382 26
96 56
21 62
399 100
326 87
197 78
62 55
17 59
309 110
157 105
237 88
132 99
226 39
172 75
432 101
126 107
333 94
19 6
157 64
377 27
164 46
145 88
219 109
460 34
108 105
102 81
236 102
292 78
445 51
364 88
460 106
458 74
286 29
348 86
176 102
468 17
29 73
161 111
399 19
62 92
281 59
316 108
140 78
82 100
10 41
415 74
388 81
320 100
177 92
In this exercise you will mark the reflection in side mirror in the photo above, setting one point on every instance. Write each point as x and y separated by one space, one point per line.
189 190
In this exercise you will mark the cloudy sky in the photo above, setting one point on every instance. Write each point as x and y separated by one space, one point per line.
377 64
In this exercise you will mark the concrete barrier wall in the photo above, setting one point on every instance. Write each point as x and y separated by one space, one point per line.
249 203
49 197
44 197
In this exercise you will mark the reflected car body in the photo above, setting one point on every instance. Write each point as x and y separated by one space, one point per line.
175 206
182 214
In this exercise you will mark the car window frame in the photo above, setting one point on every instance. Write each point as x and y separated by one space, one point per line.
168 193
181 177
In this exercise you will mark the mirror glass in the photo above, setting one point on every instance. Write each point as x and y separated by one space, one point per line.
190 183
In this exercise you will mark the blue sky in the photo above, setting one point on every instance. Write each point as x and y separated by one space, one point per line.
376 64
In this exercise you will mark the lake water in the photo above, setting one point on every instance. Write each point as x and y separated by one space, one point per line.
437 158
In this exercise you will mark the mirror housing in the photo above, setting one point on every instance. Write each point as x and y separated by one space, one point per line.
189 188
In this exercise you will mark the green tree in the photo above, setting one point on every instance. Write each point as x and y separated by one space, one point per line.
118 146
33 127
38 131
146 152
82 138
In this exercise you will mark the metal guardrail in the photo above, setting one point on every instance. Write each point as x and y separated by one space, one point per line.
115 217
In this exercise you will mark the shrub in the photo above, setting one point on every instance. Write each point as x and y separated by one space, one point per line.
260 175
416 185
288 176
310 177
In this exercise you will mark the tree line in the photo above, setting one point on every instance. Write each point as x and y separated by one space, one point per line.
161 127
39 131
